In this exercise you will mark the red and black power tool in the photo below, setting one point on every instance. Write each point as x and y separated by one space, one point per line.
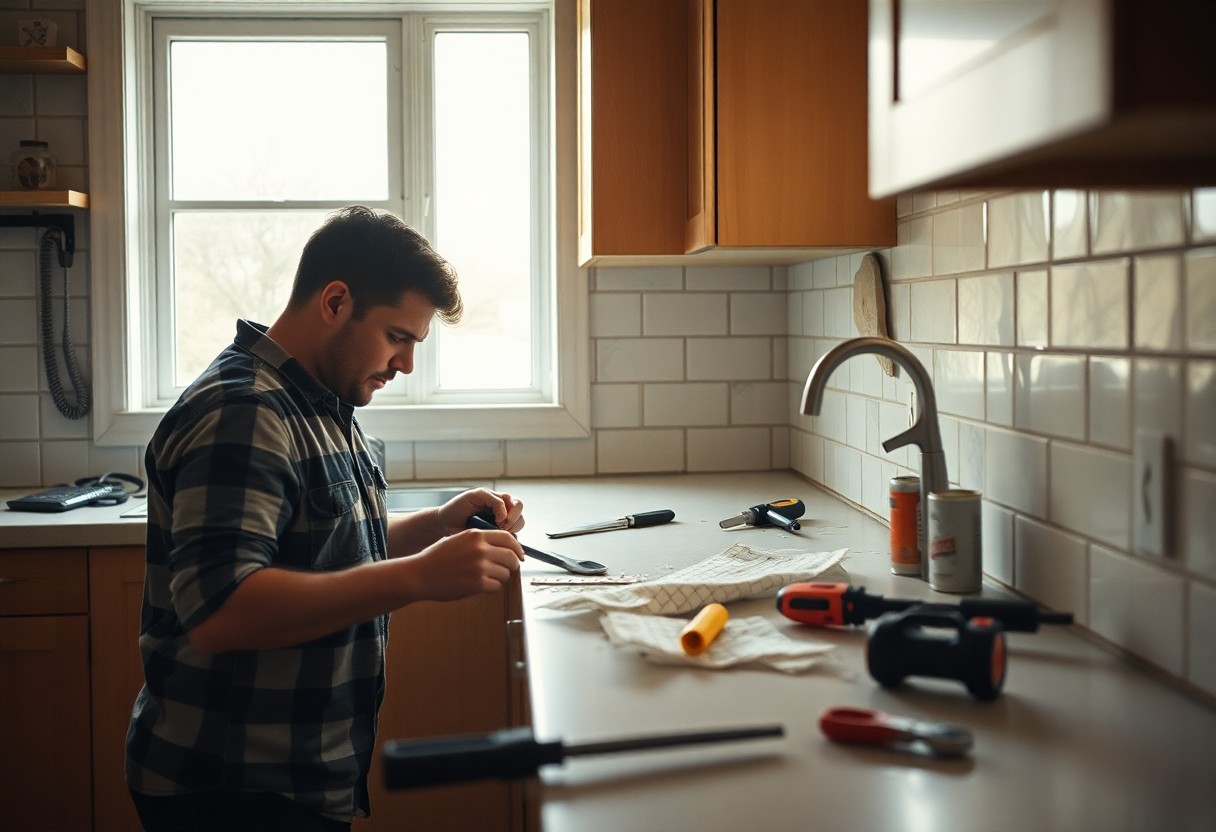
826 604
963 641
944 645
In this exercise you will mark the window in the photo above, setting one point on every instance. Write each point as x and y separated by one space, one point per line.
240 134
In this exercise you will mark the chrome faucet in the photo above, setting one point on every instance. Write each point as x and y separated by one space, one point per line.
924 433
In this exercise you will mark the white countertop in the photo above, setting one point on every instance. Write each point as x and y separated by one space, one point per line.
1079 740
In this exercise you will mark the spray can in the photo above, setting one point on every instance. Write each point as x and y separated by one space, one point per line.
905 505
954 540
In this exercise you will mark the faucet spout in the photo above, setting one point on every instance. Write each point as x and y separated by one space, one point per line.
925 432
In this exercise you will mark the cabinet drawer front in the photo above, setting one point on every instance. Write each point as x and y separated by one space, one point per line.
43 581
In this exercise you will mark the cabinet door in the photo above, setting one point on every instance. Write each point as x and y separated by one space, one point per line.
633 133
447 674
792 153
116 584
44 722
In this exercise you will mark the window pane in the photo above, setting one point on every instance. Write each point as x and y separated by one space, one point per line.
483 205
228 266
278 120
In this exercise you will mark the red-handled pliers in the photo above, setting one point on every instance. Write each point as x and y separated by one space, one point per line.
861 725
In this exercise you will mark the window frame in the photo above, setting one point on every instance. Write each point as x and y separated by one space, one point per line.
122 247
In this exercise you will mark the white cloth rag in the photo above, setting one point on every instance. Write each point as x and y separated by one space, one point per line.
738 572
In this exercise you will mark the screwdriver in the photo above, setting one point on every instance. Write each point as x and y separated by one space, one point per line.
783 513
824 604
515 752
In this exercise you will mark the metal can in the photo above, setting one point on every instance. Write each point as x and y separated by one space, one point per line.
904 497
954 541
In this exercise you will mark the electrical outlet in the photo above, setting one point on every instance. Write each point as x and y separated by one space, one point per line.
1151 492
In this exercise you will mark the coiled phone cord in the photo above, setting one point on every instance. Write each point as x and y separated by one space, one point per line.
79 388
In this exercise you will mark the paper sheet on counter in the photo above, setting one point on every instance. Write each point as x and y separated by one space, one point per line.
752 640
738 572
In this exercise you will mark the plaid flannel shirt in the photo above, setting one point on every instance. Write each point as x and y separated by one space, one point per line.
257 465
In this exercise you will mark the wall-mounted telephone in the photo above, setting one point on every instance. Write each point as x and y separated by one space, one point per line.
60 234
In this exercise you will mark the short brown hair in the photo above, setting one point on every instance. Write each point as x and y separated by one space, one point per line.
379 257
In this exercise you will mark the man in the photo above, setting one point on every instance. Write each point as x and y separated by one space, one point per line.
271 564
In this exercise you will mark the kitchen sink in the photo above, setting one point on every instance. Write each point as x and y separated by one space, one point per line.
412 499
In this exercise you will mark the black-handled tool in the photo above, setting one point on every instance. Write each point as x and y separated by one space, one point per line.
826 604
944 645
629 521
514 752
578 567
783 513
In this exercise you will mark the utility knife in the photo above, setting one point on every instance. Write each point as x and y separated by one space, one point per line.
629 521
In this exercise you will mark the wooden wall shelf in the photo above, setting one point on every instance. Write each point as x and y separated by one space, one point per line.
43 199
40 59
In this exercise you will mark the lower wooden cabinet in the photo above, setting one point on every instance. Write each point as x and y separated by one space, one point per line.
70 671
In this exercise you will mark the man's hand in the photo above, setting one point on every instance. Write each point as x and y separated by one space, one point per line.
466 563
455 513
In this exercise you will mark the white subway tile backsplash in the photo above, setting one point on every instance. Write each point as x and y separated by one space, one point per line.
1032 308
959 376
20 322
1157 395
1017 229
729 449
54 425
684 313
855 422
1200 272
958 240
19 416
1131 221
469 460
679 405
616 405
998 388
812 314
550 457
824 273
1091 493
892 421
913 256
21 463
61 95
758 403
1110 409
1089 305
17 99
1201 647
838 313
843 471
616 315
66 137
1051 566
970 471
633 451
795 305
1199 432
998 552
639 279
730 359
1015 471
986 310
1157 302
639 359
18 369
724 278
1049 394
1198 503
18 272
933 311
65 461
1138 606
756 313
1069 225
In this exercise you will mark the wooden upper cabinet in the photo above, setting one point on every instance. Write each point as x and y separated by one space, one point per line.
731 130
1041 93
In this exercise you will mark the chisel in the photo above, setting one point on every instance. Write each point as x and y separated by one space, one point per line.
515 752
629 521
